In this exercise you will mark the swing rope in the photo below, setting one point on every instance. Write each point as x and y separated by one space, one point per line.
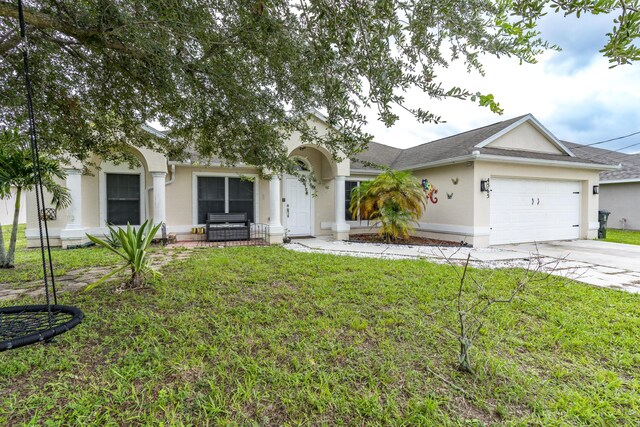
28 324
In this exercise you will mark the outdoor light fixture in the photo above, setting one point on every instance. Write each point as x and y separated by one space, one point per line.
596 189
485 185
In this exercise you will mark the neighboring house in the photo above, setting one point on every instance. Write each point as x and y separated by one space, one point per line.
539 190
619 189
7 208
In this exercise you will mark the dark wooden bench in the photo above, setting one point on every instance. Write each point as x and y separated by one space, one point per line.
228 226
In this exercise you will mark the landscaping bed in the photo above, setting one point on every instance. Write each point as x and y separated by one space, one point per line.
412 240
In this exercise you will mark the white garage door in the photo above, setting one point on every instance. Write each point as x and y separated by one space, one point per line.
528 210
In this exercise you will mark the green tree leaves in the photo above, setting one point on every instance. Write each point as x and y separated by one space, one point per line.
233 79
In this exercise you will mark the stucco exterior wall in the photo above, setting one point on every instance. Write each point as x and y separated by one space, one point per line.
450 218
453 211
54 227
622 201
484 170
179 194
7 207
527 138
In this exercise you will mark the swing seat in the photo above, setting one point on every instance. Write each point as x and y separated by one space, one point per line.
28 324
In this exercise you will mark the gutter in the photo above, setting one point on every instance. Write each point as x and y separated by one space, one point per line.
477 156
620 181
546 162
461 159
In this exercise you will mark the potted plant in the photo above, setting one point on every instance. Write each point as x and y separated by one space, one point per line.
286 238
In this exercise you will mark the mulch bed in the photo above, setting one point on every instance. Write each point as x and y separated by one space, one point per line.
412 240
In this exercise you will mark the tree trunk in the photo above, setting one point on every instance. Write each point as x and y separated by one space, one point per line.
3 252
9 260
464 364
136 280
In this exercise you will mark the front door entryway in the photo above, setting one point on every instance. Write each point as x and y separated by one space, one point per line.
297 207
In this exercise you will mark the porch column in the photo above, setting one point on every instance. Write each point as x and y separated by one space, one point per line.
73 232
276 231
340 227
159 212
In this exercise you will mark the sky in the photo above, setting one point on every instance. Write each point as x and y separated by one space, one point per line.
573 93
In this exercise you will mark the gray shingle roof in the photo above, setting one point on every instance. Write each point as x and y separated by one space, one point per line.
458 145
378 154
462 144
630 162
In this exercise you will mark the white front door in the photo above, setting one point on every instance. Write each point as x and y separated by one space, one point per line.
530 210
297 207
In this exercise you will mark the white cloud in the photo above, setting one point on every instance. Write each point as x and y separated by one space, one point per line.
573 93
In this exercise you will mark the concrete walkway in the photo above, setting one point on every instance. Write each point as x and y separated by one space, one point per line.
603 264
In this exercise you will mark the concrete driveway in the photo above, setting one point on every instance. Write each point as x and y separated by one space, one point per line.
605 264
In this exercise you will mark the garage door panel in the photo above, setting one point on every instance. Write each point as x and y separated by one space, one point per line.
526 210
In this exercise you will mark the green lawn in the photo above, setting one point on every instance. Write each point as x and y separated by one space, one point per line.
265 336
630 237
29 261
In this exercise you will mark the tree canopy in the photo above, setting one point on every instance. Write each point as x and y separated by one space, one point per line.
233 78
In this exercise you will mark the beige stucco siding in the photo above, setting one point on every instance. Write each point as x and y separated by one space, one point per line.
294 142
456 210
179 194
622 201
7 209
448 219
32 219
526 138
484 170
91 199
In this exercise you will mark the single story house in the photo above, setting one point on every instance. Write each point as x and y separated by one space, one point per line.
511 181
619 189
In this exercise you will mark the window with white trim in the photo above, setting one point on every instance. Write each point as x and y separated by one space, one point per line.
123 199
218 194
348 186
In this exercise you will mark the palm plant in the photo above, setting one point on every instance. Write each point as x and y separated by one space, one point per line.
132 246
395 198
394 223
16 171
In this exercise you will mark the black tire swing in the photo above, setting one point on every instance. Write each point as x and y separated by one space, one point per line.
29 324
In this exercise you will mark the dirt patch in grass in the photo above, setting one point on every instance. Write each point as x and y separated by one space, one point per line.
412 240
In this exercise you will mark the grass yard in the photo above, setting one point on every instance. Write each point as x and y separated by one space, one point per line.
265 336
630 237
29 262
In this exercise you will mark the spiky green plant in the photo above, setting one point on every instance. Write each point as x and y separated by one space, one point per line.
132 246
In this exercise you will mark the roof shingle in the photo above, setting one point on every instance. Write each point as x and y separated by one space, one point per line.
462 144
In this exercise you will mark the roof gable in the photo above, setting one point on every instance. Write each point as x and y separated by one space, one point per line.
519 139
526 134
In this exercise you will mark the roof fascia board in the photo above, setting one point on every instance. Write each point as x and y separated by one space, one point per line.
366 171
153 131
443 162
536 124
620 181
318 115
546 162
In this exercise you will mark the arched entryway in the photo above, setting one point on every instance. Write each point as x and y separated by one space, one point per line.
298 215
